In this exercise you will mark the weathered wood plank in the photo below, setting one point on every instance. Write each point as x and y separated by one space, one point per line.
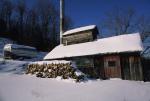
80 37
135 68
112 71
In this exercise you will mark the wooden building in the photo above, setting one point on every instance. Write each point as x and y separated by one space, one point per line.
80 35
113 57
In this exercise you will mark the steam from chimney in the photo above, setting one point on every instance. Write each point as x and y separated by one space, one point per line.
61 19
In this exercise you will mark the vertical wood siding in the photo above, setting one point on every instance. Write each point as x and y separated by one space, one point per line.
135 68
125 66
112 71
80 37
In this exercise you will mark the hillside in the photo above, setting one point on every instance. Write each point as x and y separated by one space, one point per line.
15 66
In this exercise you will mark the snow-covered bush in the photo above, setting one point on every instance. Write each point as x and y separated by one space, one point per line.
53 69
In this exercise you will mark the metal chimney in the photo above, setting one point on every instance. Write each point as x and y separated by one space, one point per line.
61 19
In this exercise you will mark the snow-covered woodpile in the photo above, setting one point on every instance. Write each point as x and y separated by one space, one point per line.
53 69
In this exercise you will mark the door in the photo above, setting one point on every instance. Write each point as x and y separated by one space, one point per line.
112 67
125 68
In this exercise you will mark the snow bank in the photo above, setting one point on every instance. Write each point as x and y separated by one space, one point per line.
29 88
16 46
12 67
116 44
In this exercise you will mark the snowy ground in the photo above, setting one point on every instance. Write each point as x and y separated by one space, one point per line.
16 86
12 67
29 88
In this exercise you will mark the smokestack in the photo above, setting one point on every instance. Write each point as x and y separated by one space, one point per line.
61 19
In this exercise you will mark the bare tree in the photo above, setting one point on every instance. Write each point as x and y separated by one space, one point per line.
21 10
143 25
48 21
119 21
36 26
123 21
6 13
68 23
31 23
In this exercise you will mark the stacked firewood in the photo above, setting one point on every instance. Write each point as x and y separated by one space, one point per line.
53 70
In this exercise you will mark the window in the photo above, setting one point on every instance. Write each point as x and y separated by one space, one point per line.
84 62
111 63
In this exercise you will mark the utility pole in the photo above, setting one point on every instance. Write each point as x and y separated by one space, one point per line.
61 19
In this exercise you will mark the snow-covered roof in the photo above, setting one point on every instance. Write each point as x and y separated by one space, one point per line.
4 41
116 44
90 27
7 46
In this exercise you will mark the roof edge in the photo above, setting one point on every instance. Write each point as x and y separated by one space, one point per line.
80 29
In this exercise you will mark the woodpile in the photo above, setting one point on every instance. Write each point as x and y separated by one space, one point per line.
66 71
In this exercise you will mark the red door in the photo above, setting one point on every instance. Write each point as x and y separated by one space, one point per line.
112 67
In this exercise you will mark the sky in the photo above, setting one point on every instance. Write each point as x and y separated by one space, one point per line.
93 12
87 12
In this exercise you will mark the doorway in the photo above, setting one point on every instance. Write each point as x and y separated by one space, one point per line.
112 67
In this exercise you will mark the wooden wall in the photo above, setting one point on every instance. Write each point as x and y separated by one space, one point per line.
80 37
132 68
86 65
99 66
146 68
135 68
127 67
114 70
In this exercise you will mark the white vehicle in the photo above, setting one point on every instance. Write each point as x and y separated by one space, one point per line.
14 51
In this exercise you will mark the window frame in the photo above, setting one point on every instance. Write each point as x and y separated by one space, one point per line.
112 63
